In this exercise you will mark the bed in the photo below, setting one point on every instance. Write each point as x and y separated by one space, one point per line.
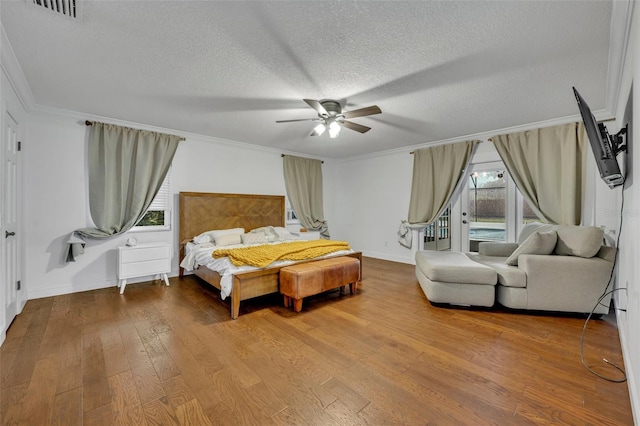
201 212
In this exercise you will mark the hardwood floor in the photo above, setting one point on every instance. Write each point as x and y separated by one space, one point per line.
172 355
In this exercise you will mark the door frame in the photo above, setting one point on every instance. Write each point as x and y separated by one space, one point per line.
512 212
10 105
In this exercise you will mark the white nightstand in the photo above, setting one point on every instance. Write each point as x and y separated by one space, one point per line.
309 235
143 259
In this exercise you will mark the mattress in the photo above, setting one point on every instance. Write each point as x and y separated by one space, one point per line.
197 255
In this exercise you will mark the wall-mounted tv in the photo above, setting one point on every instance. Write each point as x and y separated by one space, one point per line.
605 147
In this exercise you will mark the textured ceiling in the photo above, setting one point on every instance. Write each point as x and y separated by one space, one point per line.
229 70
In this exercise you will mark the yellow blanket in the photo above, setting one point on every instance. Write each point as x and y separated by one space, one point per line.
264 255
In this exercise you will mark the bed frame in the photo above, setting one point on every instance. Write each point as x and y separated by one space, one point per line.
202 211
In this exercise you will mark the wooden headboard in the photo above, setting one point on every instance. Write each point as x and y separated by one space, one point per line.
204 211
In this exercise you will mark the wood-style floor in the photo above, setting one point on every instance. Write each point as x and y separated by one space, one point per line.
385 356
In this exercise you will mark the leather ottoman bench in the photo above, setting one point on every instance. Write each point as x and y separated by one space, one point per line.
311 278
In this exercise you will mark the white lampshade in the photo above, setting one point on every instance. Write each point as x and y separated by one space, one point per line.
319 129
334 129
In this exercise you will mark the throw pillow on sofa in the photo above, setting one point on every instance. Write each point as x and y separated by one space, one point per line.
536 243
582 241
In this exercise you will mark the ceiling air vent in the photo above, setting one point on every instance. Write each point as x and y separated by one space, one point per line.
68 8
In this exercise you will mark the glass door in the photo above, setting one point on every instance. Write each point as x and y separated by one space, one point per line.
484 205
437 235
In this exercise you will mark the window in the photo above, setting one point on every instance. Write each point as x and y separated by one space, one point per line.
291 217
437 234
158 215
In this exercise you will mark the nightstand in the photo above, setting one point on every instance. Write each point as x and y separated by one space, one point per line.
309 235
143 259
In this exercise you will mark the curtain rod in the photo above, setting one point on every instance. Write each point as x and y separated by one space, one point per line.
477 141
282 155
90 123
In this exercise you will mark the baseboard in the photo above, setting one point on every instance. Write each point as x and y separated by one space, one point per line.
632 383
77 288
69 289
385 256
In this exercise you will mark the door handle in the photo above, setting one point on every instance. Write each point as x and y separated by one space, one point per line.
8 234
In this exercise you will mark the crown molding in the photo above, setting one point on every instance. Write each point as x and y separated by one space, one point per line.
82 117
600 115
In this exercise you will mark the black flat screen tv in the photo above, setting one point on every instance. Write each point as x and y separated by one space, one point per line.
601 145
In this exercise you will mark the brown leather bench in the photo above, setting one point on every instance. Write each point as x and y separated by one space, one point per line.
307 279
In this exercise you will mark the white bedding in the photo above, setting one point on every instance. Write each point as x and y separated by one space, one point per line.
202 255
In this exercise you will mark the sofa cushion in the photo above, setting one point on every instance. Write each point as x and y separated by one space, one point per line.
532 227
453 267
537 243
509 276
496 248
582 241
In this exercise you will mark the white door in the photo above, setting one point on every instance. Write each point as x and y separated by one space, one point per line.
486 213
12 128
11 278
437 235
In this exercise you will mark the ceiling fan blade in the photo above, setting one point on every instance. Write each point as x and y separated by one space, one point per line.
355 126
374 109
299 119
317 106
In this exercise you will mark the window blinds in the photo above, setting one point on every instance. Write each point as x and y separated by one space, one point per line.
162 200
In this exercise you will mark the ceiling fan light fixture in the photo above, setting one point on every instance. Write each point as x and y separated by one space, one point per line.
319 129
334 129
331 116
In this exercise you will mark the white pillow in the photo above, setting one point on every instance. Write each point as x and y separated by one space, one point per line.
582 241
268 231
284 234
536 243
228 239
219 232
532 227
205 237
210 236
254 238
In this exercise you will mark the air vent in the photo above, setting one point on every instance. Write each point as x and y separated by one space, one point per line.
71 9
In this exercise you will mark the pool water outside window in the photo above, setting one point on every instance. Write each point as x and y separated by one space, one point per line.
488 206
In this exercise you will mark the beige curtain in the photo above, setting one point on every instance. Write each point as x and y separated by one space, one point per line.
303 181
126 168
436 174
548 167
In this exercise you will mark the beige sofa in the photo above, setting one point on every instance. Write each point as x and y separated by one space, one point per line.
551 268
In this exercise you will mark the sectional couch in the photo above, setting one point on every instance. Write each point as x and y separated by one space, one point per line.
551 268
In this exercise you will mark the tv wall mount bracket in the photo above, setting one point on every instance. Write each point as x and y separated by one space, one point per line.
619 141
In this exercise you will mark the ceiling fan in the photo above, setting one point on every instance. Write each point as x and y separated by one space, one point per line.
331 116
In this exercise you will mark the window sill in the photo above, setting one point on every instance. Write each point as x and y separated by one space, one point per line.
137 229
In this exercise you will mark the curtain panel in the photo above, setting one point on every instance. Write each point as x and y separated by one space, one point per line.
126 169
548 167
303 182
437 172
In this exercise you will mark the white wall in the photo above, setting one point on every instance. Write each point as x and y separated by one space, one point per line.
56 198
371 198
628 265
